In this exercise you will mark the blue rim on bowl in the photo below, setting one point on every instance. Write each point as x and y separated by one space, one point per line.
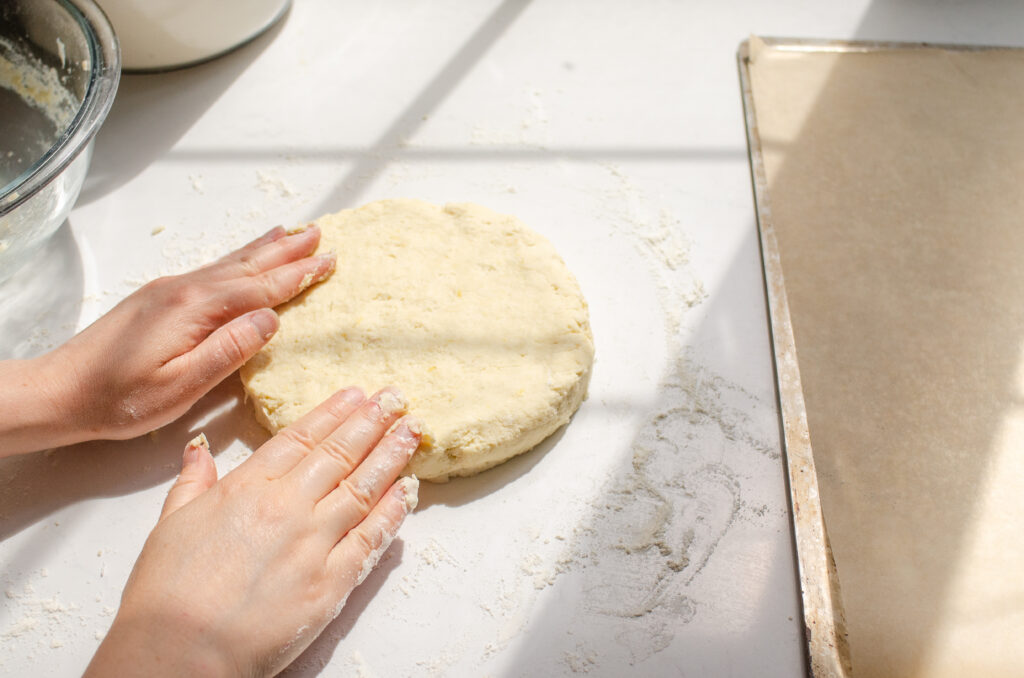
105 72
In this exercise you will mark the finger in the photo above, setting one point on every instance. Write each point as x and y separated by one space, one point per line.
273 287
342 451
224 351
216 270
198 474
280 251
282 452
276 233
347 505
355 556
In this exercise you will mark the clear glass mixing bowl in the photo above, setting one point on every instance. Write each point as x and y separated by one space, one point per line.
59 69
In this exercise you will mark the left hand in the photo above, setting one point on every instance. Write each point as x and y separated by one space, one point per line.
148 360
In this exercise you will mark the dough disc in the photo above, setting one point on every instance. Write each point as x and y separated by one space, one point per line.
474 316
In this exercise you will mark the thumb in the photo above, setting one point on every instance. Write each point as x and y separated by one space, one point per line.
228 347
198 474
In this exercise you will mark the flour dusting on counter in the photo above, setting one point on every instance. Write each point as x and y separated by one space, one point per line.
626 558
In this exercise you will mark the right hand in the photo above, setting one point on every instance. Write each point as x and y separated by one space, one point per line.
239 576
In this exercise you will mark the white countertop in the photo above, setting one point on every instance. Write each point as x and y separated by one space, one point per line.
651 536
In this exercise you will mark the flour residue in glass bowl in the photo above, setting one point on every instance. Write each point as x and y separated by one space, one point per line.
36 108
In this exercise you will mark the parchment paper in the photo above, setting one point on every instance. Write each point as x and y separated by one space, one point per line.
896 184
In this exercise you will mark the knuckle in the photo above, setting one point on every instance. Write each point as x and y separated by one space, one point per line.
360 496
185 293
234 345
364 542
339 409
340 450
248 264
270 290
159 285
299 437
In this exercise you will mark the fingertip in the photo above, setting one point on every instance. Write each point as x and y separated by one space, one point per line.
305 228
391 401
266 322
198 474
352 395
276 233
408 491
328 260
407 429
194 450
323 268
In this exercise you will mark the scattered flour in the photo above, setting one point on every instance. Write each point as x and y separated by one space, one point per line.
646 537
433 554
582 660
532 131
359 665
273 185
661 239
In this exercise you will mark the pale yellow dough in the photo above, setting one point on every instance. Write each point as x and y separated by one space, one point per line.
474 316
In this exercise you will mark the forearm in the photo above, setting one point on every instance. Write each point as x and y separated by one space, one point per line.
35 406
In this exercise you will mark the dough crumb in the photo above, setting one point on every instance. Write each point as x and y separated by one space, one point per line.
200 441
410 488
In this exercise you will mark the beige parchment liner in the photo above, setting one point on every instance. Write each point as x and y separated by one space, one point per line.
895 179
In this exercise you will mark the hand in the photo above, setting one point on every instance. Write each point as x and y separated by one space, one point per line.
239 576
148 360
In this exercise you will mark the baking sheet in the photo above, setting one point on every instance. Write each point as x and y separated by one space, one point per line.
886 178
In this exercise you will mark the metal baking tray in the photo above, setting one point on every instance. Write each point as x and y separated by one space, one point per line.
827 648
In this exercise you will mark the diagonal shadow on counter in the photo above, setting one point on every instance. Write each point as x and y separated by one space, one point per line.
369 165
152 111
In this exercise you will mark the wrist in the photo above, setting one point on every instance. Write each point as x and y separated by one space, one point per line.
37 401
156 647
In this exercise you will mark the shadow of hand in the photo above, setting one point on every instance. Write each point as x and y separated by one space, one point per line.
39 484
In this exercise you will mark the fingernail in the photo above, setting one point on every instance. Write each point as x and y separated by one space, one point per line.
391 402
353 395
331 259
295 230
194 448
312 278
410 488
265 321
407 429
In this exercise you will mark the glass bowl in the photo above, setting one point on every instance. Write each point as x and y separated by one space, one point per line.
59 69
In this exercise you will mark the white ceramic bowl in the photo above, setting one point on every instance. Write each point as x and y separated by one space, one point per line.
163 34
